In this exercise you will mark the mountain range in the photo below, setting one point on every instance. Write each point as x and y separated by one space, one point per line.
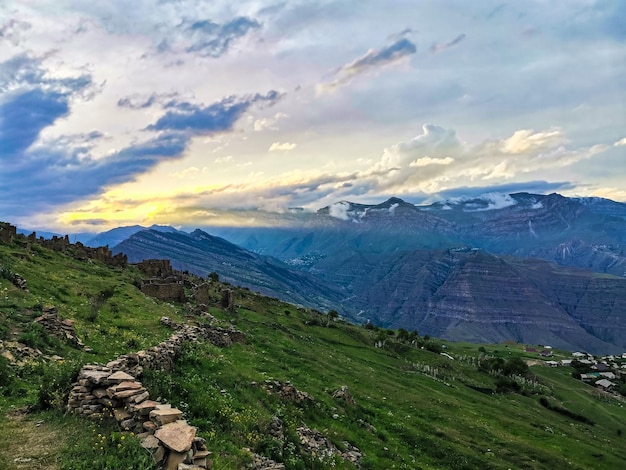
542 269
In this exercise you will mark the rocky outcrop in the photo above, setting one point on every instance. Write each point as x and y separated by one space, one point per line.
286 391
321 448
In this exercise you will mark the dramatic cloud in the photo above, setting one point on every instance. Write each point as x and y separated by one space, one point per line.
181 88
438 47
372 60
40 174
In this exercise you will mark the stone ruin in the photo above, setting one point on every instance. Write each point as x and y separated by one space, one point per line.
164 283
8 234
113 391
227 301
61 329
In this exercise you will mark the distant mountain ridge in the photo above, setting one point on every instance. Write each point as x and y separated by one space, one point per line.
462 269
200 253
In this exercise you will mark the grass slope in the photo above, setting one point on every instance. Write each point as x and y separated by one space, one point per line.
414 408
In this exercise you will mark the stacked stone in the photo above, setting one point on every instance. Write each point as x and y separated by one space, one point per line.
102 393
62 329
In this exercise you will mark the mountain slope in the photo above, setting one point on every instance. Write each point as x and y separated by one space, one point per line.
470 295
201 253
119 234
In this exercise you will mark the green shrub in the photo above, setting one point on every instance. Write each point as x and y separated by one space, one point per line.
55 383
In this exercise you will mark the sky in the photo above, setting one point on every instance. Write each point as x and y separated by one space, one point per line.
199 113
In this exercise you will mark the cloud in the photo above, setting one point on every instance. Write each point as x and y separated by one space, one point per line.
223 159
213 40
217 117
283 147
439 47
24 115
12 30
527 140
425 161
620 143
339 210
138 101
44 173
268 123
437 160
372 60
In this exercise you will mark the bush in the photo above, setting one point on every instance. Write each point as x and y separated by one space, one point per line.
55 383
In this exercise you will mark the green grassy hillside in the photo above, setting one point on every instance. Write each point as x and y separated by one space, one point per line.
413 406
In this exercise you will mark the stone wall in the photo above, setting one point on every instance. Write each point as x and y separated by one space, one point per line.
62 329
8 233
114 391
166 291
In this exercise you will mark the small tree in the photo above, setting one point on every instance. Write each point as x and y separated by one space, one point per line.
332 316
214 277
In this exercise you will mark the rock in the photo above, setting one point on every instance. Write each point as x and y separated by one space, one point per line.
119 377
150 442
145 407
120 414
176 436
165 416
174 459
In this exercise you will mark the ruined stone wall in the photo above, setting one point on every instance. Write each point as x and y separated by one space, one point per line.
8 233
156 267
114 391
168 292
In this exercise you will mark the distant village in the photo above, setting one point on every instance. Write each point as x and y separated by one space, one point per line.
607 373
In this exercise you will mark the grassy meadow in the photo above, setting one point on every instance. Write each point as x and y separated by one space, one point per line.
419 403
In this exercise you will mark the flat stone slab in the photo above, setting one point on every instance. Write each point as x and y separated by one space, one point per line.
176 436
145 407
120 376
95 376
126 386
165 416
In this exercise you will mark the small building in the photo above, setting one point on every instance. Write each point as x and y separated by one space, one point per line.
589 377
531 350
605 384
601 367
579 354
608 375
546 353
566 362
552 363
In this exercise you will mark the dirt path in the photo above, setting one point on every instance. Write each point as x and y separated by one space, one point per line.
28 443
